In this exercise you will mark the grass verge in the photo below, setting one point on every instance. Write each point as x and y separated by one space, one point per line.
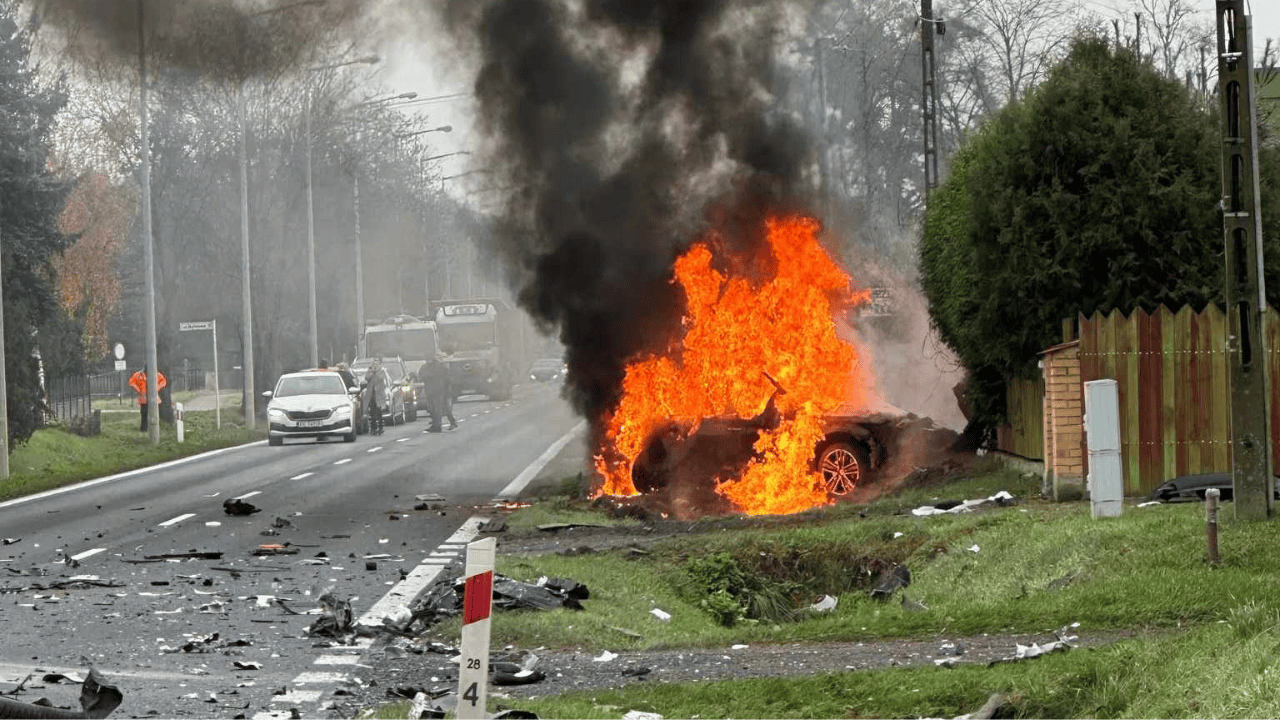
1207 644
54 457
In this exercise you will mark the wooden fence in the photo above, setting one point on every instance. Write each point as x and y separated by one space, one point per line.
1171 371
1024 433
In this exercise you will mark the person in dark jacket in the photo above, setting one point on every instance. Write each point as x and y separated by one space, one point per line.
435 382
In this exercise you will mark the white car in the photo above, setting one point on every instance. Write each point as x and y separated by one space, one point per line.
312 403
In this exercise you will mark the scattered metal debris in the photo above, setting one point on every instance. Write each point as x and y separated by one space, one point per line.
273 549
193 555
97 700
890 582
235 506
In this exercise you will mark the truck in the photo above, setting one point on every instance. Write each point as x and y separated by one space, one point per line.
413 339
483 343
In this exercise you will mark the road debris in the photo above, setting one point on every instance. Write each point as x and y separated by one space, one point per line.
337 620
97 700
662 615
890 582
826 604
236 506
954 507
273 549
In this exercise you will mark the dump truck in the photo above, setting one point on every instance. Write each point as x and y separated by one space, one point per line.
482 340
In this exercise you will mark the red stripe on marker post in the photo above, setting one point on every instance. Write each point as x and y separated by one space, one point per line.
477 598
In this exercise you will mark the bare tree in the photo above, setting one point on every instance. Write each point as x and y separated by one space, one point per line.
1022 38
1173 33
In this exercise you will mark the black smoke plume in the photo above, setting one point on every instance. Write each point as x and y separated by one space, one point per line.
221 39
628 128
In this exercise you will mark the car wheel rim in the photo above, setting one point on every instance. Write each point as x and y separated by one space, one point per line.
840 471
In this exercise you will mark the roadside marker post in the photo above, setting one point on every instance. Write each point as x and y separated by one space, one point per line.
477 606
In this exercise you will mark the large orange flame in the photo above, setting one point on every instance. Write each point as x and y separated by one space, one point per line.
736 329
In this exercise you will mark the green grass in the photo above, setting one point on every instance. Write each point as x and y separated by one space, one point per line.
1210 671
54 457
1208 643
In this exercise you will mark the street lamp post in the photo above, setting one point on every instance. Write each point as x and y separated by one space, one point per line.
311 239
246 365
311 216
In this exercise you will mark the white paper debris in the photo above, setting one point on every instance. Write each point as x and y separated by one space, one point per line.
826 604
605 656
660 614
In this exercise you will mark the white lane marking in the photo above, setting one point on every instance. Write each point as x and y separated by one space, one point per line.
298 697
247 495
536 466
343 461
419 579
374 449
401 439
177 520
338 660
303 475
123 475
87 553
314 678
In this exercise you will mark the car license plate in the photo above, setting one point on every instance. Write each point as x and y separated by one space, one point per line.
310 423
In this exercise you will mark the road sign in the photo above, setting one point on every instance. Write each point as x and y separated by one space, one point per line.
122 365
202 325
473 663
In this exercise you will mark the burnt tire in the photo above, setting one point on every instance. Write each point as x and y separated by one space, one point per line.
843 466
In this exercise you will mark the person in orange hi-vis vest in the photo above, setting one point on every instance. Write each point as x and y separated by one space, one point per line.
139 384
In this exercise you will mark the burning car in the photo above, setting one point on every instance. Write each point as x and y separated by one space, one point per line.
852 447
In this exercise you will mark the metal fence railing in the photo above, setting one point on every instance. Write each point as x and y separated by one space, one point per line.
74 395
70 397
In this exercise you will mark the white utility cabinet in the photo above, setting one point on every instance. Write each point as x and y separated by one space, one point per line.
1102 436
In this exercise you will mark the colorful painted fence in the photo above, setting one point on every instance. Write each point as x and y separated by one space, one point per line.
1172 373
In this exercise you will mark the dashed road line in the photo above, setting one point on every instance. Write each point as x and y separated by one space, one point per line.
338 660
374 449
302 476
175 521
315 678
247 495
343 461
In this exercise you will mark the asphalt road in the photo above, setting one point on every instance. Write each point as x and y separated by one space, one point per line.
100 573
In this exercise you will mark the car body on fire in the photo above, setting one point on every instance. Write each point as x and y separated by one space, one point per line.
853 446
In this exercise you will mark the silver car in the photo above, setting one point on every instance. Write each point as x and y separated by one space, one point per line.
312 403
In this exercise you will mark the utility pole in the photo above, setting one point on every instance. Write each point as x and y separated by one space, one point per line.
1246 295
929 102
4 394
355 205
153 392
246 305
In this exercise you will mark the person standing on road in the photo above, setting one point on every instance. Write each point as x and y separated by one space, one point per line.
376 380
446 395
138 381
429 374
